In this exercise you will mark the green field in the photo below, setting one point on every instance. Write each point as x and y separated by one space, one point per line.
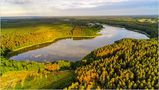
28 79
53 80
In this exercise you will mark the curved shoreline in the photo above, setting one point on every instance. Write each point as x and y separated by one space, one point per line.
40 45
131 29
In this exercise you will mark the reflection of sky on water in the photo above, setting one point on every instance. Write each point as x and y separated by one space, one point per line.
69 49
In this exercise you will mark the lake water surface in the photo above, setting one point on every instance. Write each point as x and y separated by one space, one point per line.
74 50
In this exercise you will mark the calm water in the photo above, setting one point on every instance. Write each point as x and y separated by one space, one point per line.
74 50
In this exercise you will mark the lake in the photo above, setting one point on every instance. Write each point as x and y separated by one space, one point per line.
76 49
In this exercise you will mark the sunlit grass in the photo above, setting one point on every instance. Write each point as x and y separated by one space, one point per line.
35 80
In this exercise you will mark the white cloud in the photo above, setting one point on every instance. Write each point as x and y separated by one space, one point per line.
68 7
62 4
19 7
69 4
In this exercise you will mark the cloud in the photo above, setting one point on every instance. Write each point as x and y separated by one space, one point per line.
73 7
63 4
69 4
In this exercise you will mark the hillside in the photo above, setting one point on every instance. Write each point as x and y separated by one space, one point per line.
128 63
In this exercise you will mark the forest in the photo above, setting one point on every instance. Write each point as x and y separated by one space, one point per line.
18 35
126 64
143 24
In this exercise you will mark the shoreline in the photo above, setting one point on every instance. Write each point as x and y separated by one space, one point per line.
131 29
43 44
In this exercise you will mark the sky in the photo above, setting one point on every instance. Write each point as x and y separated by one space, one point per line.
77 7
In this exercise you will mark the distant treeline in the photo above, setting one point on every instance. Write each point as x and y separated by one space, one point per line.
149 28
143 24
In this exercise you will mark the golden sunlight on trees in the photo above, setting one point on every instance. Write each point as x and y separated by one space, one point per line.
126 64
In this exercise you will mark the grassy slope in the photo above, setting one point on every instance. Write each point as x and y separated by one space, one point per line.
34 80
55 80
23 74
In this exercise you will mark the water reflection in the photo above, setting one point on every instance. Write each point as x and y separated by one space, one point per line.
75 49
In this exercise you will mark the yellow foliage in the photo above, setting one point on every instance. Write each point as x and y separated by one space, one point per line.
53 67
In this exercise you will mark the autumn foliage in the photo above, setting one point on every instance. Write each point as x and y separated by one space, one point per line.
126 64
53 67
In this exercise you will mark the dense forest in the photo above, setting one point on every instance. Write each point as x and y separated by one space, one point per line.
126 64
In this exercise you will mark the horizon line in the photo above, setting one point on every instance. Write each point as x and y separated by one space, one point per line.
77 15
